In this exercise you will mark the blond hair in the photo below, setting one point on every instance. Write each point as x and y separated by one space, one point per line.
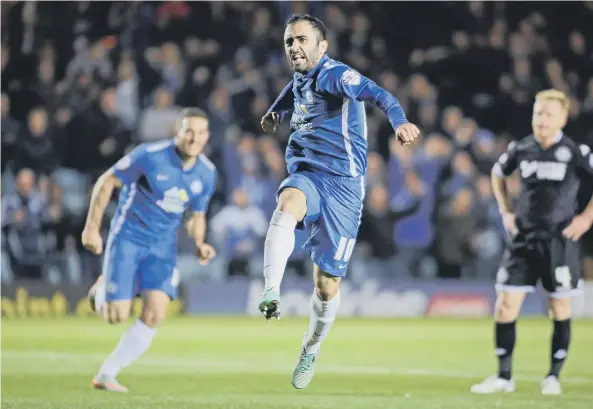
554 95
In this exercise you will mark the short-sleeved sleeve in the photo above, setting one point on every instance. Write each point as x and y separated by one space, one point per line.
130 167
507 162
201 201
584 161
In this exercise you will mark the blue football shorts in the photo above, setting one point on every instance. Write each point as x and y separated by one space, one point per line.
131 268
334 210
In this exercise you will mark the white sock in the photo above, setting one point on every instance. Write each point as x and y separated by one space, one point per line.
323 315
279 246
132 345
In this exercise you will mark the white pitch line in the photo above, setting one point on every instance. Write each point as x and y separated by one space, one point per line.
82 363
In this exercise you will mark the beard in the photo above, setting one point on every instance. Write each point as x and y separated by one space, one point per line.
303 63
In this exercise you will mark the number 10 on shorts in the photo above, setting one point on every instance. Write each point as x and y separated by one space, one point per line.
345 248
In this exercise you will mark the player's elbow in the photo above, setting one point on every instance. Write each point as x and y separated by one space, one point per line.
497 178
189 225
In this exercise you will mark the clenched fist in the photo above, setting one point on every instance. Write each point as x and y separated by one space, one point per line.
92 240
407 133
205 253
270 122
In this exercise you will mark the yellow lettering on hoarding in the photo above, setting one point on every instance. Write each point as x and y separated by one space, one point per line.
57 305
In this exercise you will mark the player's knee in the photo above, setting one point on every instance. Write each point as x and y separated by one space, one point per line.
152 317
293 201
326 286
154 307
507 307
560 308
325 293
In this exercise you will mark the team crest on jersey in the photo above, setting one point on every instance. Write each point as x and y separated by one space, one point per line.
196 187
351 77
309 97
563 154
123 163
174 200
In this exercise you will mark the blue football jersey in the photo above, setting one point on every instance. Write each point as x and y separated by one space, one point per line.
157 191
328 120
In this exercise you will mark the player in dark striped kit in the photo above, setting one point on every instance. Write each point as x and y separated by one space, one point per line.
545 228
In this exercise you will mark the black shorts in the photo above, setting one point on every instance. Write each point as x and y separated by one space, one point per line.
553 259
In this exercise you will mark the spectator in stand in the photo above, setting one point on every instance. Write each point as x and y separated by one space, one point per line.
239 229
105 136
10 128
22 225
158 121
35 146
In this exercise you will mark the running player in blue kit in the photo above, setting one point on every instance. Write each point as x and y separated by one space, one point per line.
160 182
326 161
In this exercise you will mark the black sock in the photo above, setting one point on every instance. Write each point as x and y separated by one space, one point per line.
560 342
505 343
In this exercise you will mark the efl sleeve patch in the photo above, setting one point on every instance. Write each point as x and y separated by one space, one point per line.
351 77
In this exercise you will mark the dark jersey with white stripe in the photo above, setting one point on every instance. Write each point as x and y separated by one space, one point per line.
549 178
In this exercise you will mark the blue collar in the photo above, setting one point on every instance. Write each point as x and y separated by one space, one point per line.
177 158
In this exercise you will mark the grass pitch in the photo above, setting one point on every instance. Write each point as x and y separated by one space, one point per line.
246 363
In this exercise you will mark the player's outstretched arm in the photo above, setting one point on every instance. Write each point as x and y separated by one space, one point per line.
345 82
91 235
196 228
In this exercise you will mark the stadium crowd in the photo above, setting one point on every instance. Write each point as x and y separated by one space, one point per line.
84 82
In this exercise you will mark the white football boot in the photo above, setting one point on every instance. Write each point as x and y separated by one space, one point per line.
551 386
494 384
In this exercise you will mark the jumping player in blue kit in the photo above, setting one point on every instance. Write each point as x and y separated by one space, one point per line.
160 182
326 161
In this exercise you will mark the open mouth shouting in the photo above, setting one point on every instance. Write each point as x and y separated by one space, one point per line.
297 59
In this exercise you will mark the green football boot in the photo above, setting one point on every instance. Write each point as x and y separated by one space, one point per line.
270 304
304 369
